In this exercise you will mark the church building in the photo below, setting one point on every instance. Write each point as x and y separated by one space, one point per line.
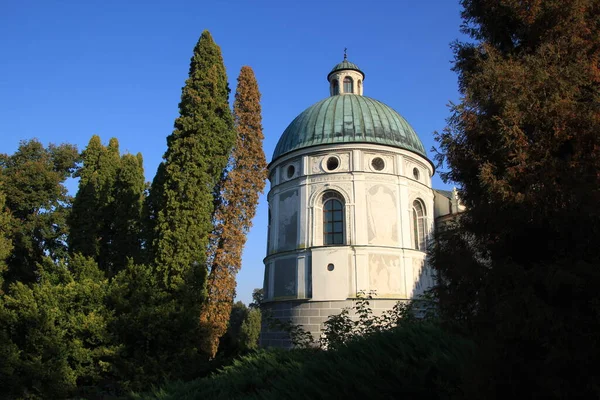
351 209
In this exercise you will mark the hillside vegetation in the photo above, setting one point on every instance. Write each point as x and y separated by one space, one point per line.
411 361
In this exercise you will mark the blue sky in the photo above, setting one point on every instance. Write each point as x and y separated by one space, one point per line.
71 69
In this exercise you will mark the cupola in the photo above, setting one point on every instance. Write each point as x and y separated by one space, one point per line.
346 78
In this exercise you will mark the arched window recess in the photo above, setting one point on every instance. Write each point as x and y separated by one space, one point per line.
348 85
335 88
419 218
333 218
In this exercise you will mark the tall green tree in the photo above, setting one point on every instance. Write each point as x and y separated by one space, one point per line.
105 222
86 216
197 153
521 270
128 195
33 183
236 206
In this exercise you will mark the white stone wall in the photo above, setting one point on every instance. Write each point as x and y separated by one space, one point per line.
357 79
378 253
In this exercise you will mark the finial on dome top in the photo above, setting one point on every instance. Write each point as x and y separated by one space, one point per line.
345 53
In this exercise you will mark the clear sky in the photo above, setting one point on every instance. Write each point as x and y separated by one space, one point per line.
73 68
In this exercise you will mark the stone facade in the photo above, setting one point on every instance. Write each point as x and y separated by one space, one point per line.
378 252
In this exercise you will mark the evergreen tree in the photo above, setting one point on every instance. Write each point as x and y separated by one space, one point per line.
198 150
153 203
521 269
128 194
5 237
54 340
86 216
33 180
106 216
236 206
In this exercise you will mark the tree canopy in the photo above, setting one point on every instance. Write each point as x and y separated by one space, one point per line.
521 268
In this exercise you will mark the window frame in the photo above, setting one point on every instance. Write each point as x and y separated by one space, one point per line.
331 235
335 87
419 222
348 81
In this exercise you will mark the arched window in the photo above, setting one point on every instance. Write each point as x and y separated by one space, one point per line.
348 85
335 88
333 218
359 86
418 217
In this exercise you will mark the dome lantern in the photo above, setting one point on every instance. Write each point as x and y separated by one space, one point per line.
346 78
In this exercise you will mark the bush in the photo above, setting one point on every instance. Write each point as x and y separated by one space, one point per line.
414 360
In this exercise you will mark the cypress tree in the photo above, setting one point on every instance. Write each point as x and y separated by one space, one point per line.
236 207
521 270
87 219
86 215
198 150
128 194
106 216
153 203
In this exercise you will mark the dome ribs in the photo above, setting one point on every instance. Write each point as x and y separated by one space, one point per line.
348 118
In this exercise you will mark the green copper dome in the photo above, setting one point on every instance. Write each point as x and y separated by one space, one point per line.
348 118
346 65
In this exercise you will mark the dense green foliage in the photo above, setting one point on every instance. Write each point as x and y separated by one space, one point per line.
417 361
54 332
105 221
32 181
5 241
520 270
155 333
243 330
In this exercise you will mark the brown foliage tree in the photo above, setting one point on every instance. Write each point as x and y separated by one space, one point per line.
524 146
236 206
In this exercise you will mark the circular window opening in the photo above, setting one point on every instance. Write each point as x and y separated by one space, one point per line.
416 173
378 164
332 163
330 267
291 171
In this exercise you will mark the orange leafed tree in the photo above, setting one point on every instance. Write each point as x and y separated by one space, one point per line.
237 198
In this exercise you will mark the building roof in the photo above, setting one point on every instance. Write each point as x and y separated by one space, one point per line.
345 65
445 193
348 118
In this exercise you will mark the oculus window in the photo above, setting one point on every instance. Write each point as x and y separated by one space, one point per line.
378 164
416 174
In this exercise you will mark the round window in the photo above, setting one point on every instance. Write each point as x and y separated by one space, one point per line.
291 171
378 164
330 267
416 173
332 163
